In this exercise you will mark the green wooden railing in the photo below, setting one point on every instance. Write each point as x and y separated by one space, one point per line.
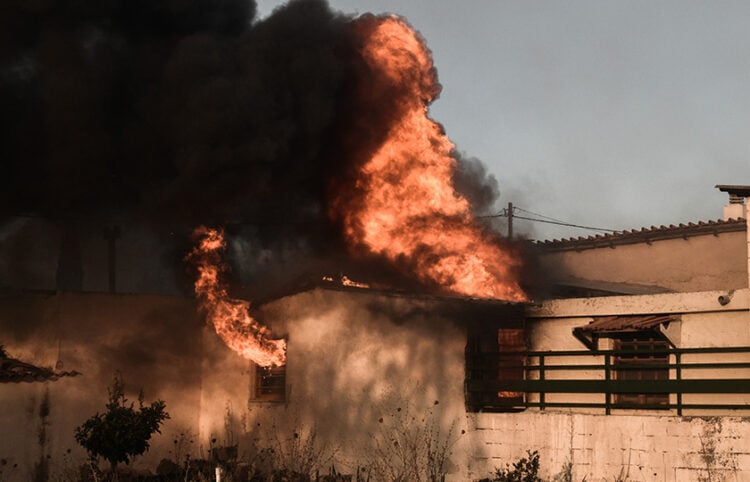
534 374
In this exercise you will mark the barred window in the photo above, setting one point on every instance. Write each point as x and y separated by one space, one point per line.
645 358
511 343
494 356
270 384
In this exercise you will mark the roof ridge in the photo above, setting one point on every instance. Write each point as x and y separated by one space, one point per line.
664 232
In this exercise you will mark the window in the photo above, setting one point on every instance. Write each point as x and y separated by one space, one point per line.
640 354
511 343
645 358
495 358
270 384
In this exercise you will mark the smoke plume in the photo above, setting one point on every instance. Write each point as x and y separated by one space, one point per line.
176 113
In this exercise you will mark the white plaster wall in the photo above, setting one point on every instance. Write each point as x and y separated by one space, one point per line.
556 335
694 264
704 322
361 368
715 329
667 303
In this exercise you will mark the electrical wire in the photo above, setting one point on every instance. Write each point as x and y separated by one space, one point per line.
502 214
516 208
591 228
548 220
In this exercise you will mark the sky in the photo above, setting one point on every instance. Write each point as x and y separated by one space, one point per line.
609 114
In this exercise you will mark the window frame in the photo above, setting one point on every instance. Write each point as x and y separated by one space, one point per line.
643 347
486 361
269 384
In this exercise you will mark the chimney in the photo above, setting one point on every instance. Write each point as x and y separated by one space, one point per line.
738 208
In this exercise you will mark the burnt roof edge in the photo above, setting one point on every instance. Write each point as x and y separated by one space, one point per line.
13 370
311 285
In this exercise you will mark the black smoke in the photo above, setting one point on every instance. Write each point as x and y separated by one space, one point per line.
173 113
175 110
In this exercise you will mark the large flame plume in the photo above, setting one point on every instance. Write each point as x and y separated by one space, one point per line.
405 206
230 317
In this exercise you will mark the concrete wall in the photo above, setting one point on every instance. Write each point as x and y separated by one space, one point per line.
605 447
696 263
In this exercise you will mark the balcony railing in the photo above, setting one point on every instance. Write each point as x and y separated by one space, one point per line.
514 381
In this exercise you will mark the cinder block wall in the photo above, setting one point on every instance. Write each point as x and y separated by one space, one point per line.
605 447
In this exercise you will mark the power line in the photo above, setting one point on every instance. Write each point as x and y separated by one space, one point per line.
539 215
567 224
505 213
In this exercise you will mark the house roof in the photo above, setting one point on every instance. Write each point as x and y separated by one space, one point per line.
344 284
360 282
16 371
610 325
625 323
645 235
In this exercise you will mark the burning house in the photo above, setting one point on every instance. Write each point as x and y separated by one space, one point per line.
369 320
602 381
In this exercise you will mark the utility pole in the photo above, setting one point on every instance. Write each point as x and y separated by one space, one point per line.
510 220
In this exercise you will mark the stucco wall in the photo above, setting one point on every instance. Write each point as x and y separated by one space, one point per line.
693 264
702 322
361 369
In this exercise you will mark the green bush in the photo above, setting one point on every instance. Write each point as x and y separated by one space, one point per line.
121 432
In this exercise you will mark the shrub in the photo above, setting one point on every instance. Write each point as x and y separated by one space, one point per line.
525 470
121 432
412 447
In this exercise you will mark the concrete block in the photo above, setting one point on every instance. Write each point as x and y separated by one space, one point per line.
580 442
678 427
742 462
486 437
656 426
583 456
483 420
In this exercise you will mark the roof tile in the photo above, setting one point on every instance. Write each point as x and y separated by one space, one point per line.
646 234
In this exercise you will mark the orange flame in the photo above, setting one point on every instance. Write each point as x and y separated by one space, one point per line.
230 317
408 210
